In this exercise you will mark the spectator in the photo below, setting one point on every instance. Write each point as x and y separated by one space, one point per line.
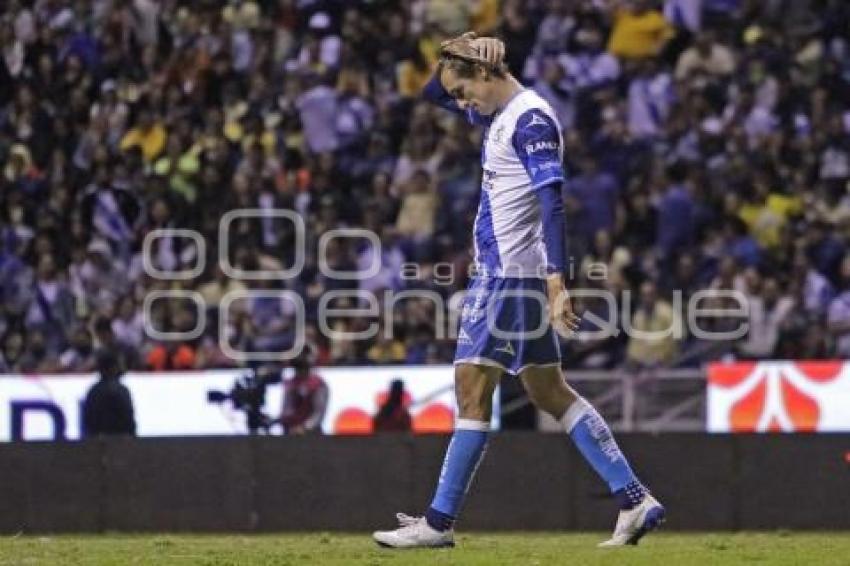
817 291
639 31
12 354
767 212
706 57
685 14
129 326
148 134
220 285
655 323
318 110
518 31
607 262
37 358
675 214
413 74
650 100
838 316
550 85
596 194
740 245
100 279
393 415
305 398
108 406
419 344
51 308
416 219
127 355
355 115
387 349
79 357
587 73
768 310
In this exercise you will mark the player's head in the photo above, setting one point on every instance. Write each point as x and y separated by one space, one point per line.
471 83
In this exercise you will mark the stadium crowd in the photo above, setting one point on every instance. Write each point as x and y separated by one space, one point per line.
707 144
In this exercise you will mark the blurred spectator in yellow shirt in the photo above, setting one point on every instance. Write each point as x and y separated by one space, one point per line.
767 212
639 30
181 168
412 74
418 207
484 16
387 349
148 134
652 341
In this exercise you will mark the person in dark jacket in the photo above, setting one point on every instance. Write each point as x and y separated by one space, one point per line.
393 415
108 408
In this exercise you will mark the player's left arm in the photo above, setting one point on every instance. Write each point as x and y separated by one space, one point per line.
537 144
490 51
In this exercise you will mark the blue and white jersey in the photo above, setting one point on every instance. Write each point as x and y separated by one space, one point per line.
504 321
522 152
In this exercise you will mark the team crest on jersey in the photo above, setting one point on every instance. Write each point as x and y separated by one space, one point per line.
536 120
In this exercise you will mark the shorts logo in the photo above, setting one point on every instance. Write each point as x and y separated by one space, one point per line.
463 338
507 348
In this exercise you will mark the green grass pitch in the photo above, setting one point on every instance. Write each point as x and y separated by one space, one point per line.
792 548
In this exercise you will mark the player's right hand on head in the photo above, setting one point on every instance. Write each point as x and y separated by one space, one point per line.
491 49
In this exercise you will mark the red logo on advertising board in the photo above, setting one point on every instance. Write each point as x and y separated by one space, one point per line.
778 397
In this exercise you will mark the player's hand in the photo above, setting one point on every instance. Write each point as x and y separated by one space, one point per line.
561 314
491 49
486 50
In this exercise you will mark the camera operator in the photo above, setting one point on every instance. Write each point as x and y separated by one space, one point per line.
305 398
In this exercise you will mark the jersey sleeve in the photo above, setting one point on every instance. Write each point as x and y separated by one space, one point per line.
537 143
436 94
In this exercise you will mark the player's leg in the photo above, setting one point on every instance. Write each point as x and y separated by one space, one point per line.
474 386
548 390
640 512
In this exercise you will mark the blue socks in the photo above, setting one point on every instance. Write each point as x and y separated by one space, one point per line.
463 456
594 440
587 429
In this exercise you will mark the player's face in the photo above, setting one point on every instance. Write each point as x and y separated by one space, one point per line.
473 93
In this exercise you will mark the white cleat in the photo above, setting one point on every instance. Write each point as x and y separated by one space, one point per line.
633 523
414 532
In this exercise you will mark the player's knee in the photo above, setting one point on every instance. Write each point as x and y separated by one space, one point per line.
475 406
551 395
548 403
474 391
475 401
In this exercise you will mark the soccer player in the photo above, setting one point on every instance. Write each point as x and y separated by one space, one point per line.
519 261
